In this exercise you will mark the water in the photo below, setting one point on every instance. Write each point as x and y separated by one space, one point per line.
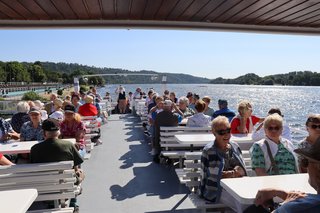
296 103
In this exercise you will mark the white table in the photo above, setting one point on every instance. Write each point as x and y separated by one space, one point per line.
22 147
244 141
17 201
244 189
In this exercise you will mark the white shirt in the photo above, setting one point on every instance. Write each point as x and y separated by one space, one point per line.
199 120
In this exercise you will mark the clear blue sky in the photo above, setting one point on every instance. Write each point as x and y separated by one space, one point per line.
200 53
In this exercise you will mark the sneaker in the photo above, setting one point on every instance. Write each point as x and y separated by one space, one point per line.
153 152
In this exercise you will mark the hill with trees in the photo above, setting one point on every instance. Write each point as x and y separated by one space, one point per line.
298 78
65 72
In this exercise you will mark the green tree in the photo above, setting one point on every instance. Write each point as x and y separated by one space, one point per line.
37 73
17 72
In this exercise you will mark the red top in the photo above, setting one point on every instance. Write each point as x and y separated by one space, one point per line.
88 110
1 155
236 122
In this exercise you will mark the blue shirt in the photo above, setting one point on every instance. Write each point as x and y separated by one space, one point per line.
308 204
224 112
28 133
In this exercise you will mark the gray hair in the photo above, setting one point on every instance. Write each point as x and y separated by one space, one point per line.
23 106
184 99
52 134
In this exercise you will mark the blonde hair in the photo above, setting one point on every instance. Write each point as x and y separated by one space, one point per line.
244 106
276 118
206 99
219 120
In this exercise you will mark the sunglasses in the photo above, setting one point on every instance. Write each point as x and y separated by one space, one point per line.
313 126
276 128
223 131
312 119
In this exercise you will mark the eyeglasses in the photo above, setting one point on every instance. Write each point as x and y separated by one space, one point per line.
223 131
276 128
313 126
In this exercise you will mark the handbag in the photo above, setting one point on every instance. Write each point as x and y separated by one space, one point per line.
274 166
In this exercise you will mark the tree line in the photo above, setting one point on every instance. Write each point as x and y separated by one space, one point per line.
65 72
297 78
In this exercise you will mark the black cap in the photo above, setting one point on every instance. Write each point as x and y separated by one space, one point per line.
69 108
49 125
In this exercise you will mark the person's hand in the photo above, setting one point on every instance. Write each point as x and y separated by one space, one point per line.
293 195
239 172
264 196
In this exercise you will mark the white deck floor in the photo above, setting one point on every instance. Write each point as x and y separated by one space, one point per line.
120 175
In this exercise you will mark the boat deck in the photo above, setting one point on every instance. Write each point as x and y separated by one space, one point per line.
121 177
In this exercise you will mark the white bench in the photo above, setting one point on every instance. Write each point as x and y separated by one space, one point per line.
53 181
171 146
168 141
191 176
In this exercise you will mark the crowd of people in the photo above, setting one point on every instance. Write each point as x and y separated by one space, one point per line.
49 123
273 153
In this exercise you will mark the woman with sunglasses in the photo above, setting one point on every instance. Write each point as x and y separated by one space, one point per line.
273 155
220 159
313 128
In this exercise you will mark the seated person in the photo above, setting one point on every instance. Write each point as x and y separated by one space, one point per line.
273 155
313 128
183 106
295 201
199 119
223 110
21 116
207 110
163 118
88 109
220 159
243 123
259 133
6 131
73 127
4 161
52 150
32 130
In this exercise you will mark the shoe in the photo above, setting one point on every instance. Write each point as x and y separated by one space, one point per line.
153 152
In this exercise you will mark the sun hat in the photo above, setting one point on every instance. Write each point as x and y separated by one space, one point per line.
34 109
58 115
312 153
69 108
49 125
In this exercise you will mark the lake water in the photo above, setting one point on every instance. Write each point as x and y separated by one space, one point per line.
295 102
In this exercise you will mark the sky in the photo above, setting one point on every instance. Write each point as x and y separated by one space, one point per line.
209 54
